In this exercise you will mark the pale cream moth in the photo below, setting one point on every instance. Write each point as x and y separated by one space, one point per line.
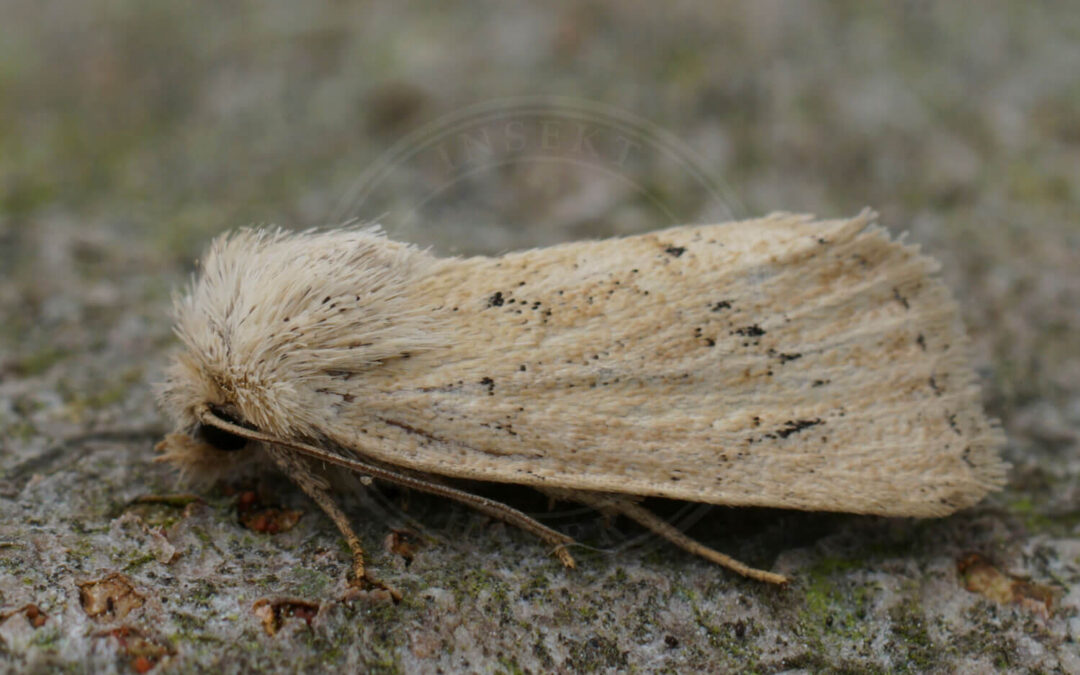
783 362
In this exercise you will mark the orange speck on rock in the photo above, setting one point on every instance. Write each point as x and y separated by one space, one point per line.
982 577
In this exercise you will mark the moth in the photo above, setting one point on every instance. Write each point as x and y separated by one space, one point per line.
782 362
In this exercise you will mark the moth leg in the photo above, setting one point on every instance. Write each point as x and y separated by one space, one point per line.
659 526
293 465
514 517
507 514
318 489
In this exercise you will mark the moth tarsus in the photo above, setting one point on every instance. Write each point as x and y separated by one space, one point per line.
781 362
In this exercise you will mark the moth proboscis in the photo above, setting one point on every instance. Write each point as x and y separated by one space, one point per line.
782 362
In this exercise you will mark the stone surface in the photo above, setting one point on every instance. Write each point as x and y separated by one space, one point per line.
130 133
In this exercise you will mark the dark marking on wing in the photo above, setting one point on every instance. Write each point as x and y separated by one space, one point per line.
795 426
935 386
784 358
901 299
749 331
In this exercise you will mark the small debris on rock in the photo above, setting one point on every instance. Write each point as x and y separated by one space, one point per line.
112 597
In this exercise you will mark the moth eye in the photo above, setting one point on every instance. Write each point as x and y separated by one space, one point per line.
219 438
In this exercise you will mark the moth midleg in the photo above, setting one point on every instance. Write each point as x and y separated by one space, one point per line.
649 520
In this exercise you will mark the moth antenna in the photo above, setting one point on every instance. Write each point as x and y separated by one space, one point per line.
657 525
488 507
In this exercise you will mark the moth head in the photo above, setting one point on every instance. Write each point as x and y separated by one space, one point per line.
204 452
204 460
273 321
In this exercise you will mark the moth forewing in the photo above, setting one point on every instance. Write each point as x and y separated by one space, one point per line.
779 362
758 363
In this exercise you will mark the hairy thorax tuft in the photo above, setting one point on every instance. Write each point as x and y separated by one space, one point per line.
272 316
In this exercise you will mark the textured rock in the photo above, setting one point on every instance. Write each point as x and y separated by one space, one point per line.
130 134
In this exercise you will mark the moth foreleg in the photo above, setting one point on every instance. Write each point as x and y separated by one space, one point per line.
295 467
318 489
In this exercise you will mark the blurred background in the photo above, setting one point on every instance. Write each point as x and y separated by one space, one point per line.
133 132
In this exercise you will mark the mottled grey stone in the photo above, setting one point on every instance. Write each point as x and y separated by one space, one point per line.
131 133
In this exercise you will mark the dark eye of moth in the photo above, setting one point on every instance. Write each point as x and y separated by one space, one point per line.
220 439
